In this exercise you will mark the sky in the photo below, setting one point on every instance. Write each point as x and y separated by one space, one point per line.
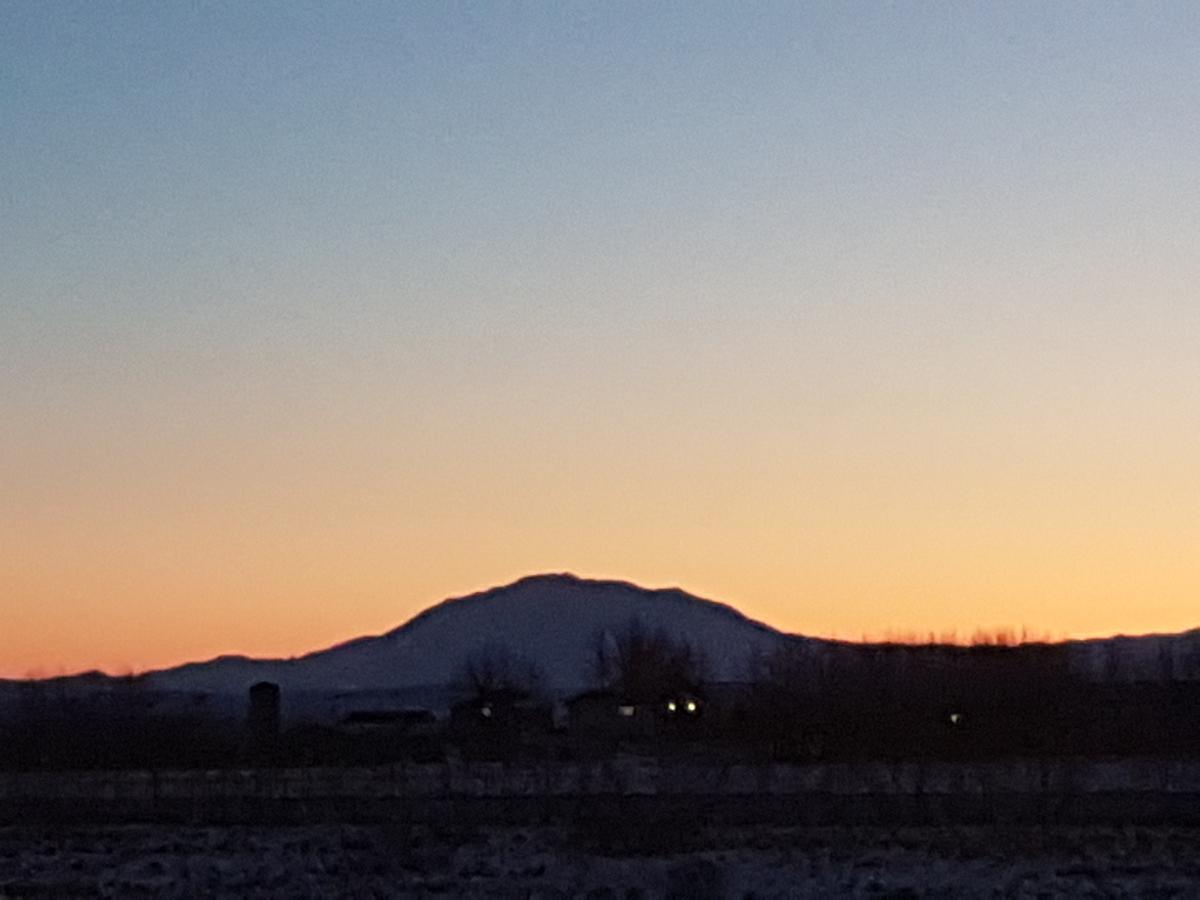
863 318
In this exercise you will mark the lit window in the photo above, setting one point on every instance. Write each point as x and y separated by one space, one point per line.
626 711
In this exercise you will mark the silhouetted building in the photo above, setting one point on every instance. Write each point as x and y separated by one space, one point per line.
262 721
503 712
400 721
610 714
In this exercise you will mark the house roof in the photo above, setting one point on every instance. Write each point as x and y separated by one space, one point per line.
600 695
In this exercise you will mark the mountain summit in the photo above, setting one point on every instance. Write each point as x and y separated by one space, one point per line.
551 620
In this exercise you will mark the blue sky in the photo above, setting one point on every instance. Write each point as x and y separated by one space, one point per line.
809 244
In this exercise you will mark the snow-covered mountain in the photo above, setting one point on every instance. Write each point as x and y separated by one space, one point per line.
551 620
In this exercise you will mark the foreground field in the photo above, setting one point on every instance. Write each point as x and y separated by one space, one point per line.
343 861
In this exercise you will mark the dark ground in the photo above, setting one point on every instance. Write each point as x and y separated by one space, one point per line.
598 862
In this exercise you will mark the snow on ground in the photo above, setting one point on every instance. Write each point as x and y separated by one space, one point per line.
342 861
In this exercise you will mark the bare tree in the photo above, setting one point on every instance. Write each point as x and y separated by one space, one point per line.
494 669
1166 660
645 663
793 667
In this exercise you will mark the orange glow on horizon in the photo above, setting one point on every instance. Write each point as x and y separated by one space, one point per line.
863 324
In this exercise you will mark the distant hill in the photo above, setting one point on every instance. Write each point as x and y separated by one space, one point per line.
552 620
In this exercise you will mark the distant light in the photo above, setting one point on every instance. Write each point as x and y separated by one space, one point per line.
671 706
956 718
691 706
626 710
486 712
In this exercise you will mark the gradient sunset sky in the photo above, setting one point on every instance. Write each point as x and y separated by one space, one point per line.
859 317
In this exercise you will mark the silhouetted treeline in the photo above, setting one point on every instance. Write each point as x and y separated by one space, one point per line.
116 728
954 702
650 695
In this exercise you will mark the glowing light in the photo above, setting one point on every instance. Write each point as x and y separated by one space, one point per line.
486 712
626 711
691 706
671 706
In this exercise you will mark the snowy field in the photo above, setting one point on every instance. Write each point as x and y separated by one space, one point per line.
341 861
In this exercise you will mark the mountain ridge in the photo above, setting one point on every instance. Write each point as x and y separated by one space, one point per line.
552 618
428 647
569 579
